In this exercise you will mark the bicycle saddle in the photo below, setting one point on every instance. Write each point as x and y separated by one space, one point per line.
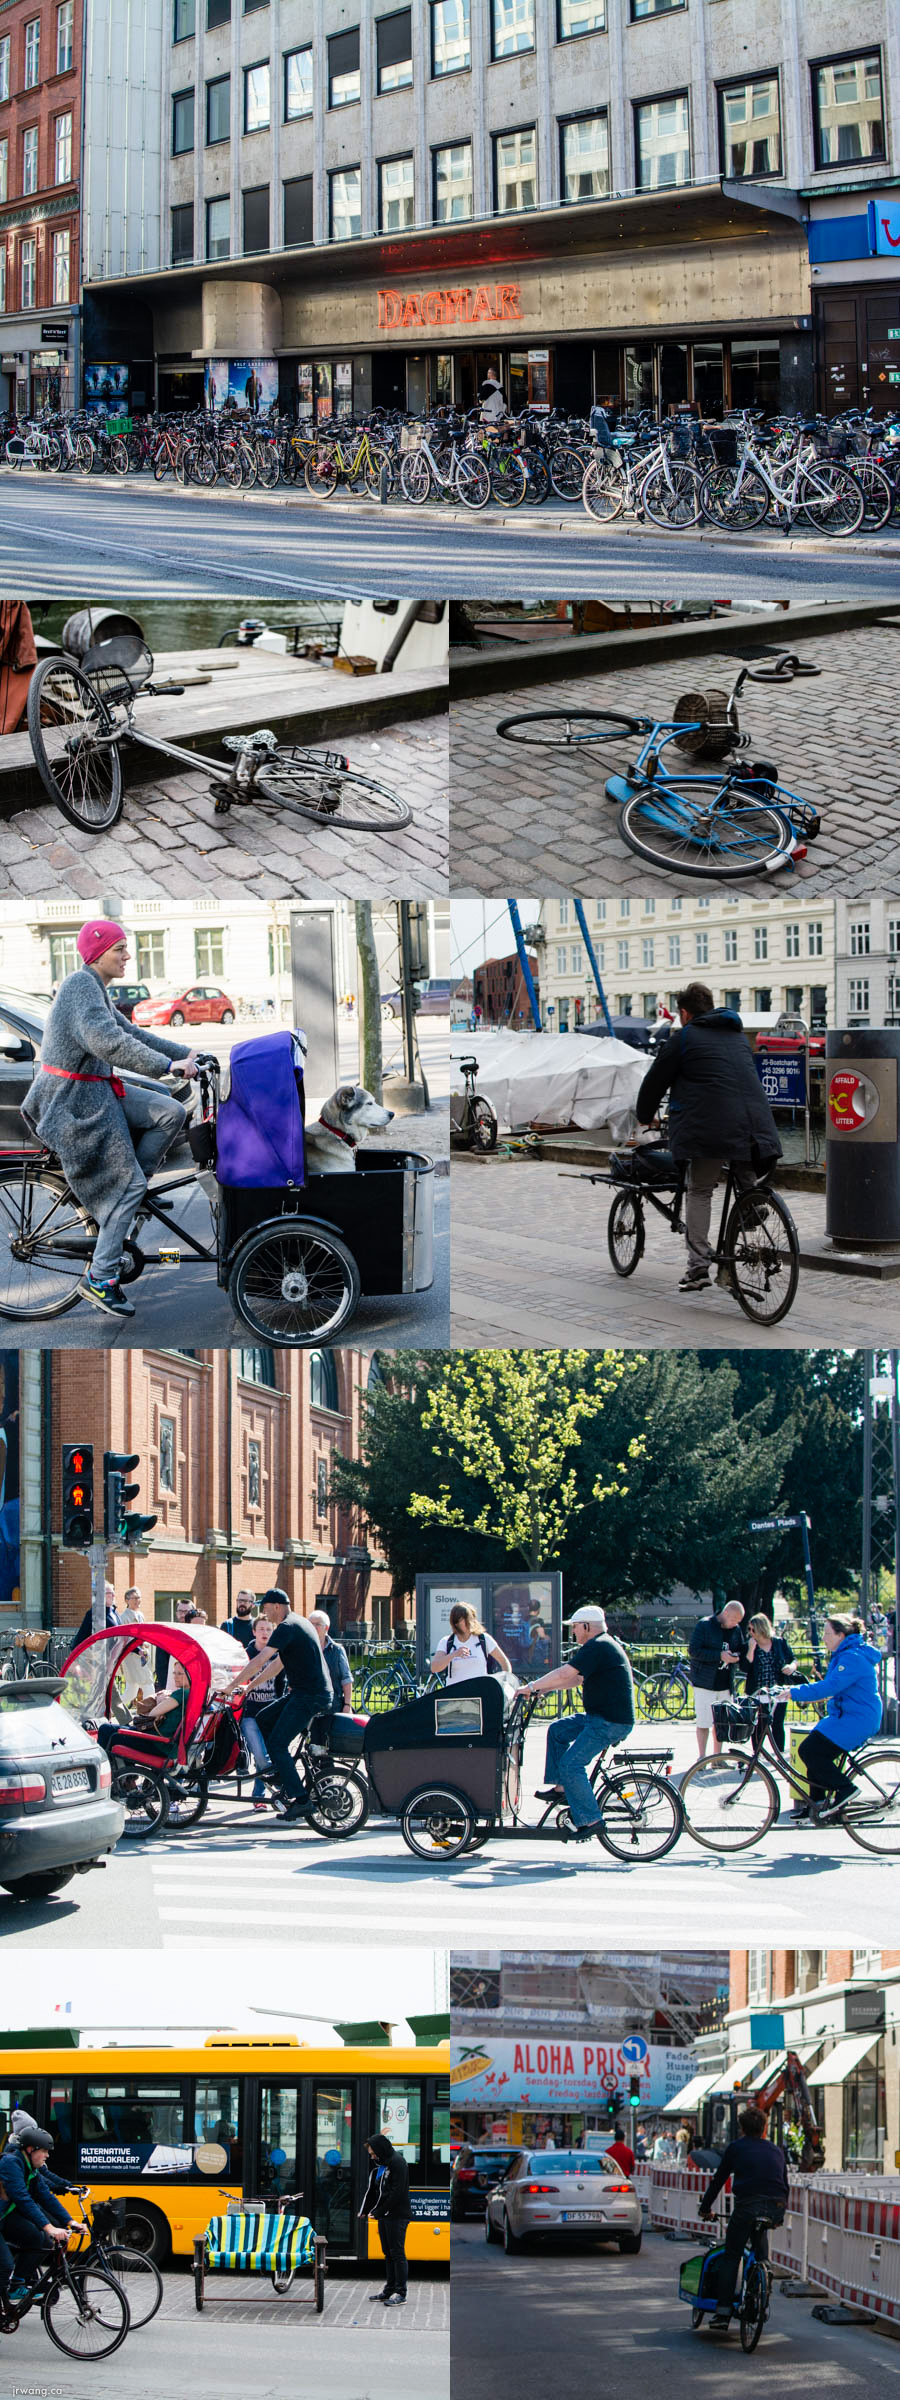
260 742
468 1066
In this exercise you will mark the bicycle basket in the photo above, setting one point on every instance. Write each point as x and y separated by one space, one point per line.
652 1164
680 441
723 439
698 2278
734 1720
707 732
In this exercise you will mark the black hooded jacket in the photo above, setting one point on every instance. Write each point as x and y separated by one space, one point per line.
387 2195
717 1107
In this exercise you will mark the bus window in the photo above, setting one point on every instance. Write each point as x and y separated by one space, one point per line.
217 2117
440 2130
14 2095
131 2115
332 2212
61 2123
278 2114
398 2113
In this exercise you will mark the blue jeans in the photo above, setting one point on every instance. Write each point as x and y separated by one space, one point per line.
255 1743
572 1744
279 1725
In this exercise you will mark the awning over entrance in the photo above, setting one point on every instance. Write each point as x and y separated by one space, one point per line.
843 2058
738 2071
802 2051
691 2095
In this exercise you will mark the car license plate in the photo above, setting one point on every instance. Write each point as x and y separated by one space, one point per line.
584 2216
70 1779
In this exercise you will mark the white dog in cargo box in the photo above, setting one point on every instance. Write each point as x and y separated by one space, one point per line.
332 1140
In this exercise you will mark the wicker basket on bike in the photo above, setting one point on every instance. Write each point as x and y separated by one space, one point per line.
651 1164
734 1720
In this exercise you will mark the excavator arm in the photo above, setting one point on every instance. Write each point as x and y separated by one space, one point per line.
789 2083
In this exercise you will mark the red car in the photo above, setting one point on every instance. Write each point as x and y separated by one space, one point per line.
203 1004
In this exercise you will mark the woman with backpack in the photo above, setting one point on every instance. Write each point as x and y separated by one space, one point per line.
467 1650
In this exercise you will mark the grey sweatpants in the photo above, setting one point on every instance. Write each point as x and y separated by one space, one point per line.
154 1119
703 1176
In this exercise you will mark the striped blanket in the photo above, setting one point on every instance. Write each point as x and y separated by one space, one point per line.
255 2239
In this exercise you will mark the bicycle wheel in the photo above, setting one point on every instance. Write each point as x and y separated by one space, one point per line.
375 460
298 1285
161 462
762 1255
437 1824
339 1804
473 483
566 728
145 1797
483 1124
86 2313
268 469
625 1232
642 1814
567 473
872 1817
668 496
724 502
190 1805
230 467
831 500
695 828
385 1690
729 1801
118 456
46 1241
754 2306
203 468
321 474
304 782
509 482
84 453
672 1695
603 492
538 477
415 477
140 2280
877 492
71 736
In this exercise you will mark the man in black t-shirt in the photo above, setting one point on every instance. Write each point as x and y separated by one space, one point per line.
573 1742
293 1645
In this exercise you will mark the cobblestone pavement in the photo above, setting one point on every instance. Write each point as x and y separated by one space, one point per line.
346 2303
529 1266
169 843
538 820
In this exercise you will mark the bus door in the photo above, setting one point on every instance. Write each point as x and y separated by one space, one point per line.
306 2137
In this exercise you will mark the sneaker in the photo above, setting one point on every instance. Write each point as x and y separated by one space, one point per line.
721 2322
551 1791
831 1810
104 1292
373 2296
696 1279
583 1833
396 2300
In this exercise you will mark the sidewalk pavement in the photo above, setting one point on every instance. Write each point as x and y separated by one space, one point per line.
541 818
530 1265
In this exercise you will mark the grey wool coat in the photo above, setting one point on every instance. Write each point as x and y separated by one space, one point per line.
84 1122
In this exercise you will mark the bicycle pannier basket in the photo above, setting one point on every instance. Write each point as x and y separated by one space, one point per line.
259 1129
734 1720
723 439
342 1734
699 2277
653 1164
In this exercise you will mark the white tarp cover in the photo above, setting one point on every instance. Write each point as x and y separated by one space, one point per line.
555 1078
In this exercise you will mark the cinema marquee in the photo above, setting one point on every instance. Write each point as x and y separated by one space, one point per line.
459 304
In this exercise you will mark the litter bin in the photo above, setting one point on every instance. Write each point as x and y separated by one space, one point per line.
862 1154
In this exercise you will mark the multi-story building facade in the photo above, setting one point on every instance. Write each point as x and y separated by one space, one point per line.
357 203
841 2014
867 965
755 955
40 172
500 991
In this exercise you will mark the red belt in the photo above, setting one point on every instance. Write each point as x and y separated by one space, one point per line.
68 1075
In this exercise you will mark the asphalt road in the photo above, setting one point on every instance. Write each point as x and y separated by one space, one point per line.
251 2345
88 538
552 2323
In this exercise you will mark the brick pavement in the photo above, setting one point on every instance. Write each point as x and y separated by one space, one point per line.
530 1266
169 843
346 2304
538 820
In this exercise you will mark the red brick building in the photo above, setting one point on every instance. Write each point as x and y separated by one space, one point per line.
40 134
500 990
235 1450
840 2010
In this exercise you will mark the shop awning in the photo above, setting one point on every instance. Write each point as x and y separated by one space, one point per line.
843 2058
691 2094
737 2071
802 2051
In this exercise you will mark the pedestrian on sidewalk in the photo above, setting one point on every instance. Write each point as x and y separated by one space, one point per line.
241 1625
336 1661
602 1668
716 1647
770 1660
387 2200
718 1115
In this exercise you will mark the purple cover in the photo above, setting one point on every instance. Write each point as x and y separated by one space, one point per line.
259 1128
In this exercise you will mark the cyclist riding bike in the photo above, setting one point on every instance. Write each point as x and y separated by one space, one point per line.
759 2196
853 1716
718 1114
31 2216
108 1136
603 1670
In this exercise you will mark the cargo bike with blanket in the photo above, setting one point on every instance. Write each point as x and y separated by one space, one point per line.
294 1250
166 1778
253 2238
756 1256
449 1766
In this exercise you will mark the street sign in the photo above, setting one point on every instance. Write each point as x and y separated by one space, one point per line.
782 1074
884 228
609 2083
55 333
774 1524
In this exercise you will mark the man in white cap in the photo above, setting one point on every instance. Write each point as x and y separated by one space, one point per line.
602 1669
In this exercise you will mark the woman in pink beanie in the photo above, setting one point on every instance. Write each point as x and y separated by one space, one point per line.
109 1136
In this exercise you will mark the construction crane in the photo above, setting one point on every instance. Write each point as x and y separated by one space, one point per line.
788 2083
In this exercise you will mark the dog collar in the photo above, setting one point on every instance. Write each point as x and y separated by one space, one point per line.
340 1136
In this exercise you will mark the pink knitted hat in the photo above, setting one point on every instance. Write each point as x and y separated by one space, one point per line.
98 936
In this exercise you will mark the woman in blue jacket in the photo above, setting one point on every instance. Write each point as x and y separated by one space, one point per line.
853 1714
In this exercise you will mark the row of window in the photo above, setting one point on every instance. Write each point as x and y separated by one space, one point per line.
795 998
29 176
18 288
31 51
860 937
571 958
673 908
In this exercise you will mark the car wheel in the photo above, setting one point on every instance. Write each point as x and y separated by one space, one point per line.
629 2244
228 1016
39 1887
511 2240
177 1017
387 1011
490 2230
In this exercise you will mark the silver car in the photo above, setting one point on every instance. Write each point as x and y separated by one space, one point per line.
578 2192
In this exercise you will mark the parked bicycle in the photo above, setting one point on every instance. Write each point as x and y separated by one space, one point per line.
473 1118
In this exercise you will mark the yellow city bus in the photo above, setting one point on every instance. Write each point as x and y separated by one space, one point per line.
177 2131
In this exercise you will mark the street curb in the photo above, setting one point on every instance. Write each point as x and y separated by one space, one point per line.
564 661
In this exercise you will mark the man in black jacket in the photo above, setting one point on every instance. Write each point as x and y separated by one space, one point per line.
718 1114
716 1646
759 2196
31 2217
387 2200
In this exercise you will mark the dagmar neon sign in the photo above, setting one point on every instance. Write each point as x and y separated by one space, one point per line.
458 304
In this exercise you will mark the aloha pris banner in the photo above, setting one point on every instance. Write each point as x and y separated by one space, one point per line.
543 2071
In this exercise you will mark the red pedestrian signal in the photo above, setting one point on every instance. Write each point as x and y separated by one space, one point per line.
77 1495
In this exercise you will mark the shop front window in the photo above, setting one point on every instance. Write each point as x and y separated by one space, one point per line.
513 27
324 389
345 204
305 400
709 378
755 375
396 194
673 375
848 110
584 158
218 228
639 375
864 2124
453 187
662 142
343 387
579 16
442 378
333 2206
750 127
515 171
450 52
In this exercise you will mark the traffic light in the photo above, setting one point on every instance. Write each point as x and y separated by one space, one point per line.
120 1531
634 2091
613 2103
77 1495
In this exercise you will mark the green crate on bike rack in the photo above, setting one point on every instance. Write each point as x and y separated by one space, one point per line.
119 424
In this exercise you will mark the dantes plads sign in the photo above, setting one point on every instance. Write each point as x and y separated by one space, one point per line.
457 304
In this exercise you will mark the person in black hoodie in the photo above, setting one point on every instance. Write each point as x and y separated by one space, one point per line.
387 2200
759 2196
718 1114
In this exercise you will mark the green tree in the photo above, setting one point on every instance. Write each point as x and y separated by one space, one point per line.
509 1423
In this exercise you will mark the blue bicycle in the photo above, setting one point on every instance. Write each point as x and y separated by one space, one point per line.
733 822
698 2285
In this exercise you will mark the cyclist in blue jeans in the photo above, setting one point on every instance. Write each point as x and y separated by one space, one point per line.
293 1645
602 1669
